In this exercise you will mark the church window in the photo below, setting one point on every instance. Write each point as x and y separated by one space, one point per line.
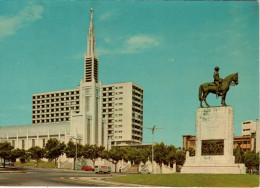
33 142
43 142
13 143
23 144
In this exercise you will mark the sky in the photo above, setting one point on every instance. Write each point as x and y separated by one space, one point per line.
169 48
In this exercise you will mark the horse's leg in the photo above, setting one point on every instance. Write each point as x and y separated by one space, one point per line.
223 100
204 98
201 92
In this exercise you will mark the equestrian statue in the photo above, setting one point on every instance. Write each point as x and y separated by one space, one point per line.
219 87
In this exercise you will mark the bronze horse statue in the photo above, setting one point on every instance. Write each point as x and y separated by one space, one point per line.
209 87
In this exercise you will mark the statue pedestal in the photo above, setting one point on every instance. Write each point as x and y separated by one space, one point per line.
214 131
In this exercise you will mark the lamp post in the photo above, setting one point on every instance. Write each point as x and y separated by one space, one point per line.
152 142
76 162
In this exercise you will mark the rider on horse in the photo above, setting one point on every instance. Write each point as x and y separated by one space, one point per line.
217 80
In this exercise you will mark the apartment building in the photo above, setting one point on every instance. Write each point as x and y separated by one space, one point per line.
248 128
123 109
54 106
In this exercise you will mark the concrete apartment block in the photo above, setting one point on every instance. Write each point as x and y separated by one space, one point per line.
123 109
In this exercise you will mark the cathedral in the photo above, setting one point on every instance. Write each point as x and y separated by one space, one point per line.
110 115
66 114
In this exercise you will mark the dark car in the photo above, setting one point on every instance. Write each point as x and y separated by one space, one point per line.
87 168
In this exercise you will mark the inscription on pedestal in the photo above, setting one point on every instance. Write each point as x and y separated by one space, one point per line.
212 147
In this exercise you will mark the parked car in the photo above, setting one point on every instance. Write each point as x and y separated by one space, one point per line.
87 168
7 163
103 169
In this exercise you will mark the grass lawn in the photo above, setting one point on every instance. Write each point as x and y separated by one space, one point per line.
192 180
41 164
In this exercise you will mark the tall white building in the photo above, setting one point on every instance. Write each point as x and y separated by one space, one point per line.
248 128
69 113
251 128
123 109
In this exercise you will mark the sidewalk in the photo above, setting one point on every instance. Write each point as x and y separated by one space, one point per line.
102 181
12 169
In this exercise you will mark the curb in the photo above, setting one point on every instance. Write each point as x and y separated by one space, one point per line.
103 181
12 172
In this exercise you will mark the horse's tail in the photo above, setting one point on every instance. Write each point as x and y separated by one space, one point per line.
200 92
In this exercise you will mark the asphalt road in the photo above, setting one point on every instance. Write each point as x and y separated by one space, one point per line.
44 177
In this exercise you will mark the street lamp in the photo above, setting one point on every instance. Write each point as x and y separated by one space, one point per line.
76 162
152 142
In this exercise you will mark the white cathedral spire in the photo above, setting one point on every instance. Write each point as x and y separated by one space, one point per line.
91 59
91 51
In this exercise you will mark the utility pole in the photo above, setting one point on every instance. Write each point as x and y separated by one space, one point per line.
76 162
152 142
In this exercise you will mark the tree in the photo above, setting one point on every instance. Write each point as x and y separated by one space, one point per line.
24 156
114 155
238 154
5 150
145 154
130 154
92 152
171 155
180 156
17 153
191 151
160 153
54 149
135 156
251 160
70 151
36 153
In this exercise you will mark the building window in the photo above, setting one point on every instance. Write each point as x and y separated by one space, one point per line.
33 142
23 144
13 143
43 142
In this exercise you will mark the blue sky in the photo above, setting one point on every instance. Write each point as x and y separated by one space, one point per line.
167 47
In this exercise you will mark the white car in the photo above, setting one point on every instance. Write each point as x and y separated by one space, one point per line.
103 169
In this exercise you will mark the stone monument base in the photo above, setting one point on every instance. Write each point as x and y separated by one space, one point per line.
211 165
214 143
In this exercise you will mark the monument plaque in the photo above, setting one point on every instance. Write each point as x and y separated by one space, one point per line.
212 147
